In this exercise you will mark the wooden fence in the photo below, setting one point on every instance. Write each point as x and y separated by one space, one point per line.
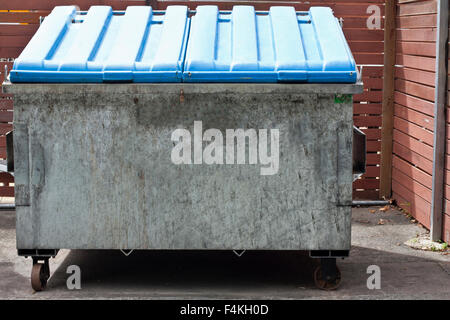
414 96
366 44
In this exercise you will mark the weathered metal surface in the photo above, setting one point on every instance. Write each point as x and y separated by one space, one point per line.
93 168
10 152
359 153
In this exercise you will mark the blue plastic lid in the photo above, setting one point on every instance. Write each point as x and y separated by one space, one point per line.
141 45
279 45
101 45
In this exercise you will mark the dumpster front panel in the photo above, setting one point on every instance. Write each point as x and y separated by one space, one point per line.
98 169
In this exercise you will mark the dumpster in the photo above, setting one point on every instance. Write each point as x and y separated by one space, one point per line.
178 129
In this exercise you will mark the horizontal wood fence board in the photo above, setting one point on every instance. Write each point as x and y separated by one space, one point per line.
372 172
6 178
10 52
2 151
419 147
22 17
367 121
417 8
357 22
368 96
14 41
372 134
425 35
413 130
414 103
412 171
412 185
368 58
366 45
6 104
6 95
365 194
415 89
6 116
4 128
367 108
372 158
363 34
18 30
373 145
415 48
372 71
413 157
416 62
413 22
366 184
6 191
3 146
415 75
373 83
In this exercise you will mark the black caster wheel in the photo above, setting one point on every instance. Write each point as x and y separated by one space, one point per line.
327 276
39 275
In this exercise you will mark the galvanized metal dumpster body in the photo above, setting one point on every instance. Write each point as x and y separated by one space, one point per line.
93 167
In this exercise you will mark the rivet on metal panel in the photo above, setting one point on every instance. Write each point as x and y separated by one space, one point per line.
181 96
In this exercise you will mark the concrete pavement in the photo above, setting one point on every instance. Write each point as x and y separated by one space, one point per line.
405 273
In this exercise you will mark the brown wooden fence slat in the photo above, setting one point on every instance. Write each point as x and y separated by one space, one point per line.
415 75
417 8
427 49
413 130
22 17
422 120
18 30
423 35
413 22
